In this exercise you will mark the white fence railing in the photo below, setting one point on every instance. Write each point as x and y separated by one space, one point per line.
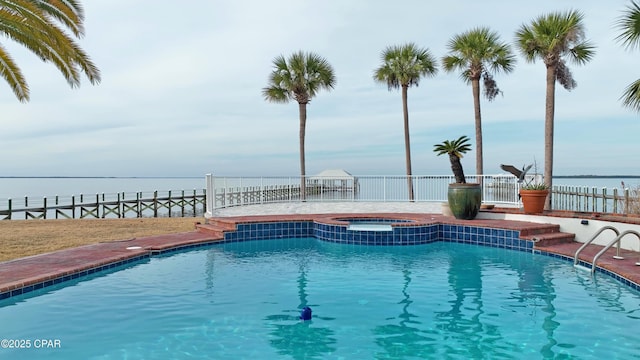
224 192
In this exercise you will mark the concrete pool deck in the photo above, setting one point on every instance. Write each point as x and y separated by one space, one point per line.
36 272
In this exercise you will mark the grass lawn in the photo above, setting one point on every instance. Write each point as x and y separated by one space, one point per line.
20 238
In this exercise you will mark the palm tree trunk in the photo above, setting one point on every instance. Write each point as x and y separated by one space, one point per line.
548 130
475 86
303 172
456 168
407 144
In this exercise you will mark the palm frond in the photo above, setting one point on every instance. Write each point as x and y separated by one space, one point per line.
36 25
299 77
12 74
456 147
405 65
629 24
631 96
476 52
68 12
553 38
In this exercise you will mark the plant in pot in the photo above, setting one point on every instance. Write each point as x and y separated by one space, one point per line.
533 196
464 198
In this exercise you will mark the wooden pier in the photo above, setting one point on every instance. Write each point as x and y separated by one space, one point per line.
159 204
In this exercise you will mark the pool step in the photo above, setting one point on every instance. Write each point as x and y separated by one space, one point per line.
551 238
216 227
222 223
539 229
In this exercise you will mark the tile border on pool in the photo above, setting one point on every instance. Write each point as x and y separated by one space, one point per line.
71 276
407 234
185 247
601 270
327 227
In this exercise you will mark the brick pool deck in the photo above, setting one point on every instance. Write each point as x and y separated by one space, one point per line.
35 272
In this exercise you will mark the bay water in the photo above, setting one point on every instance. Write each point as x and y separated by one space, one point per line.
39 187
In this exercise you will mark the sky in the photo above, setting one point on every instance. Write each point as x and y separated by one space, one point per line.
181 93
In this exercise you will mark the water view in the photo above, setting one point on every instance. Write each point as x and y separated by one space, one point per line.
38 187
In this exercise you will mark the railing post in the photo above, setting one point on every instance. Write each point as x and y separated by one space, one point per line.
261 190
224 192
73 206
353 188
44 208
195 209
182 200
10 209
626 201
204 203
415 188
139 204
155 204
208 202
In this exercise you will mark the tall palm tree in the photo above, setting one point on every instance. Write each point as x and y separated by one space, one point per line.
479 54
629 24
39 26
552 38
299 78
402 67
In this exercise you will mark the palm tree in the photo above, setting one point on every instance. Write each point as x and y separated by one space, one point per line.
455 149
299 78
38 26
552 38
403 66
629 24
478 53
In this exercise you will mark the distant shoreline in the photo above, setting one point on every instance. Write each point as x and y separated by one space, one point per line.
101 177
198 177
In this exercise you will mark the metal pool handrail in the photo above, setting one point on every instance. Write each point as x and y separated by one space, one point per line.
613 242
602 229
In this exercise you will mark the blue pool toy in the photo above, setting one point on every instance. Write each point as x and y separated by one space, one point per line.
305 314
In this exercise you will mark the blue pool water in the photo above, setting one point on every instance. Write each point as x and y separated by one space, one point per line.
242 300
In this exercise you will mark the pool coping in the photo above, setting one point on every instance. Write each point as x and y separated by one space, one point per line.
32 273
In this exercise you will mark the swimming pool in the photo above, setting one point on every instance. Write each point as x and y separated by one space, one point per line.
243 299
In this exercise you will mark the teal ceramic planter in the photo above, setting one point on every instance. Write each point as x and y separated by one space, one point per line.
465 200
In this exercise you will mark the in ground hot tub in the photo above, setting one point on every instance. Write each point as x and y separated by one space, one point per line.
375 230
372 224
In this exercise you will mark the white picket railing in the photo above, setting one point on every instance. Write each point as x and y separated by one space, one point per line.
224 192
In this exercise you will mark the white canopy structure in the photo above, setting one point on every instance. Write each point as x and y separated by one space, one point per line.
336 180
334 173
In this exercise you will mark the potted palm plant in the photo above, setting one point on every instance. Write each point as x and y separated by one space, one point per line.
464 198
